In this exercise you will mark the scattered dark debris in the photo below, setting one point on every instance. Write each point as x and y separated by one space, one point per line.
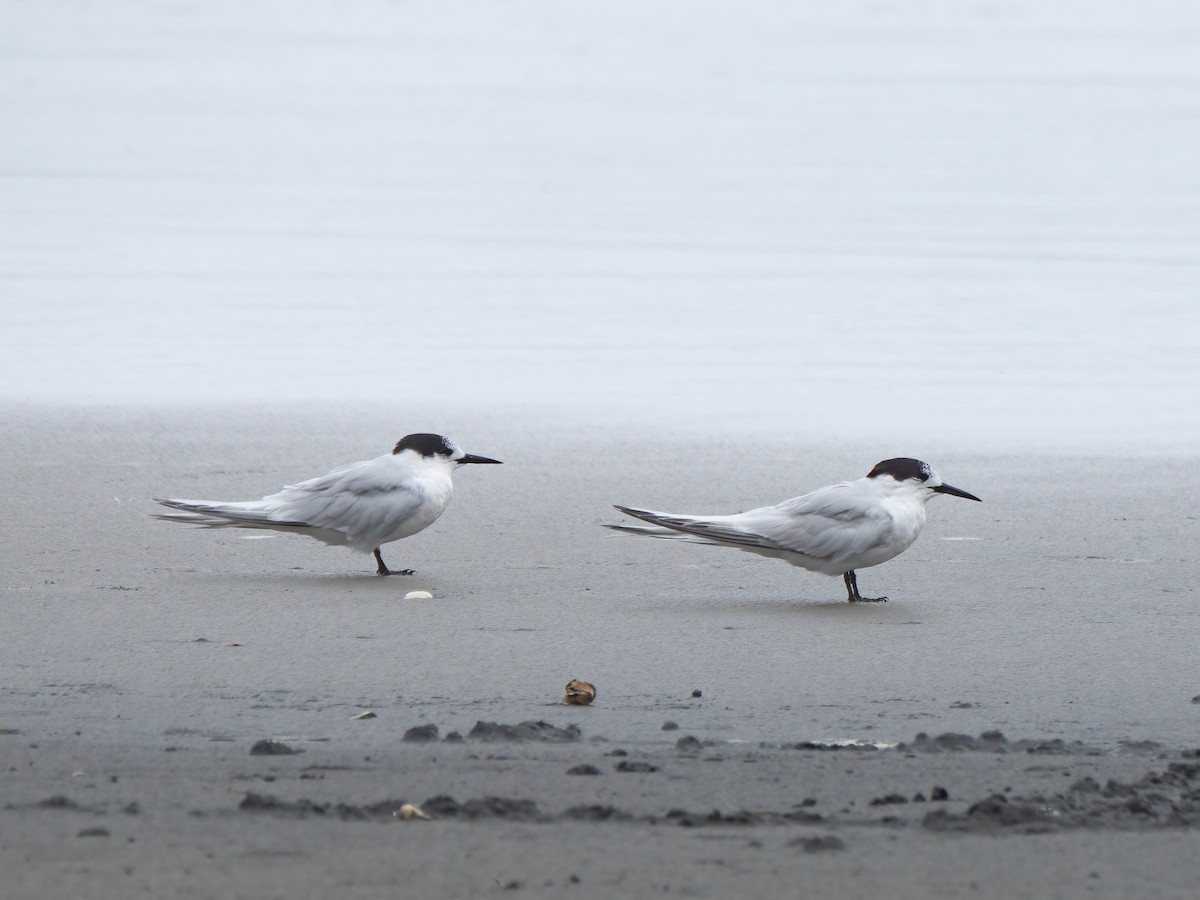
444 807
962 704
596 813
823 844
996 742
889 800
1167 799
421 734
93 832
584 769
627 766
272 748
524 731
995 813
825 745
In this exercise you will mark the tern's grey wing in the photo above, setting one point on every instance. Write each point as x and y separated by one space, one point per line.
368 502
833 524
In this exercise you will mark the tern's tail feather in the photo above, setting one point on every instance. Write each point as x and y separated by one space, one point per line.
218 514
698 529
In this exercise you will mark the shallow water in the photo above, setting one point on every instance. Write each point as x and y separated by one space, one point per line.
963 223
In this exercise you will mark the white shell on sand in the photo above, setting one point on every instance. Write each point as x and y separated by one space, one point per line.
418 595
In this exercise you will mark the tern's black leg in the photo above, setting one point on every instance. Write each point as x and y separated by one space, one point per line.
852 590
384 570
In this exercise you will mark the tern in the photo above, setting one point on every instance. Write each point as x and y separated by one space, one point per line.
363 505
834 530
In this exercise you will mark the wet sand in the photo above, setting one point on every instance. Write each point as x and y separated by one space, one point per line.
145 660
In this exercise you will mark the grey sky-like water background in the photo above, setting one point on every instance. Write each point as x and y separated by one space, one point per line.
937 222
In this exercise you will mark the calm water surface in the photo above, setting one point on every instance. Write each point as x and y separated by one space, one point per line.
972 222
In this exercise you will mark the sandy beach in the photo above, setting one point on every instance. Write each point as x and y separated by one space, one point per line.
1034 680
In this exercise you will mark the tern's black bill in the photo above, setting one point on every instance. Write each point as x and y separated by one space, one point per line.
955 492
472 458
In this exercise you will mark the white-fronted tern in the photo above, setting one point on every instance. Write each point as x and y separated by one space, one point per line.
834 530
362 505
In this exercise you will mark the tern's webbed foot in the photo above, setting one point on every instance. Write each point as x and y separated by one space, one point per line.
852 594
382 568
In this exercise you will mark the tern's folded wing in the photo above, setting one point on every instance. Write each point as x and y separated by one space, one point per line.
834 523
360 501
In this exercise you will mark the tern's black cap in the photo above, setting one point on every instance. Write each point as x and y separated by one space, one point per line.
902 469
426 445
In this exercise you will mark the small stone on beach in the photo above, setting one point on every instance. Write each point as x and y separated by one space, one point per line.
420 734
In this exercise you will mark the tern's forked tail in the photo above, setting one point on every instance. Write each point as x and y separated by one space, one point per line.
217 514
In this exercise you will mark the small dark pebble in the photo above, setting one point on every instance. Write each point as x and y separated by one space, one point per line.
513 885
697 693
938 794
1196 699
616 752
818 844
93 832
808 801
421 734
918 797
583 770
669 726
574 879
453 738
626 766
688 744
271 748
889 799
131 809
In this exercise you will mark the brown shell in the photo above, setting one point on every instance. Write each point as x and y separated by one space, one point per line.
579 693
